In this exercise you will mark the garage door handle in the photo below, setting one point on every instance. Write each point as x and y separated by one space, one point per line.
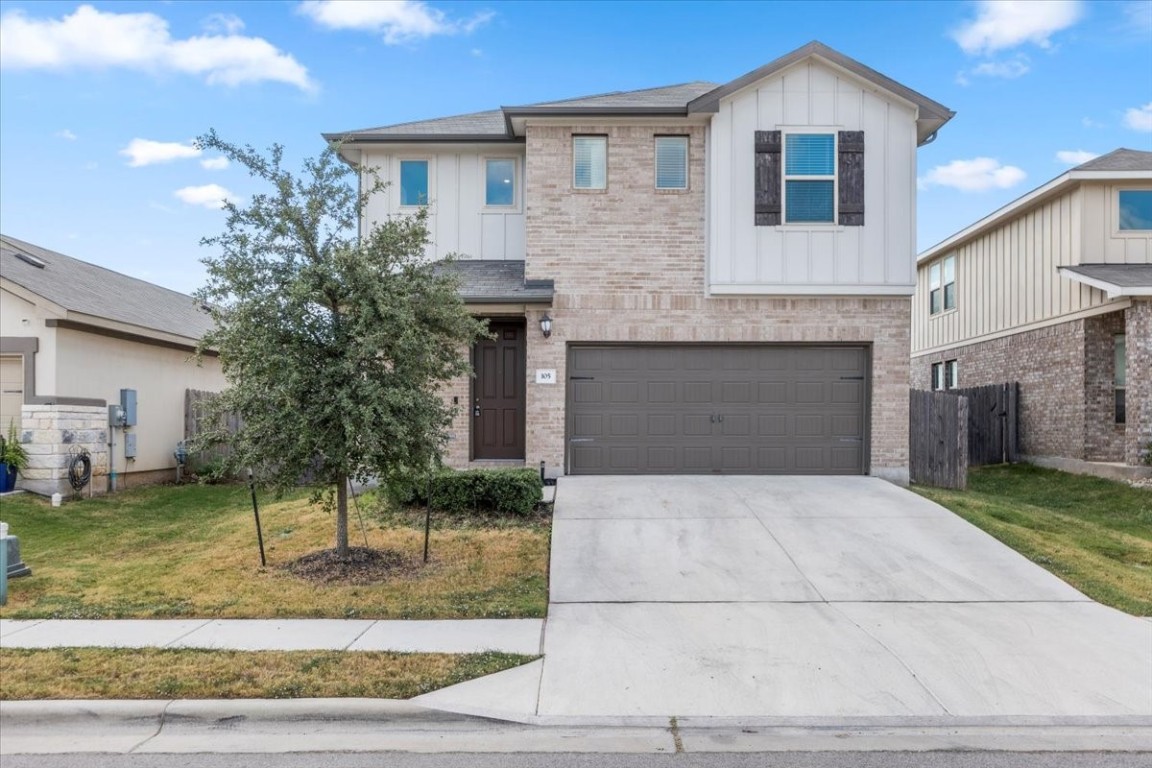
581 378
851 439
851 378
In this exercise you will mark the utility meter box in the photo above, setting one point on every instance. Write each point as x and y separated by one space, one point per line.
129 445
128 405
115 416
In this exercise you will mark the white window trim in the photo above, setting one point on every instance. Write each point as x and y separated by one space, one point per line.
941 285
656 161
603 136
1115 199
953 367
834 224
431 161
517 196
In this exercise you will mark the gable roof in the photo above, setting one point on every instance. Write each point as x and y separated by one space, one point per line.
1118 165
681 100
85 288
931 114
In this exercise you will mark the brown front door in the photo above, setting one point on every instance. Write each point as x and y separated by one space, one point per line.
498 394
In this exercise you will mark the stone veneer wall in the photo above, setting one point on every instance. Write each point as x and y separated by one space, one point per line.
629 266
50 434
1049 365
1138 327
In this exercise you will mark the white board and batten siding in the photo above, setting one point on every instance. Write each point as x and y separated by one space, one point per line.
875 259
459 222
1007 278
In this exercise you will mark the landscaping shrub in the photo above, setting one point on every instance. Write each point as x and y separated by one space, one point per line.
505 491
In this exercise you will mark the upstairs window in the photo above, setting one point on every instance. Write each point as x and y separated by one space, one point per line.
809 178
942 285
413 182
1135 210
671 162
590 162
500 182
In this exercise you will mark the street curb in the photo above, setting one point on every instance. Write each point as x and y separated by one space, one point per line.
261 710
383 710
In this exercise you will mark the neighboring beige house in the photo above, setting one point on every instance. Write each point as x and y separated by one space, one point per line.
72 336
1053 291
698 278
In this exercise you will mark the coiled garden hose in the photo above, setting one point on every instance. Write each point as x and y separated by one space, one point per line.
79 470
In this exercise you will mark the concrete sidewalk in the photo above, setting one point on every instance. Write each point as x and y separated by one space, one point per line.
521 636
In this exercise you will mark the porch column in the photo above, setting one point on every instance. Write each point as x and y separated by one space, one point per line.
1138 340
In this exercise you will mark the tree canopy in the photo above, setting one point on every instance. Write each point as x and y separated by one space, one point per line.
334 336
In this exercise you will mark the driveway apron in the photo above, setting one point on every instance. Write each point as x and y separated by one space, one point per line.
806 599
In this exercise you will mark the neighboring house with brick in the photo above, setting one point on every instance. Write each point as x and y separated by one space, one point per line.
1053 291
72 336
698 278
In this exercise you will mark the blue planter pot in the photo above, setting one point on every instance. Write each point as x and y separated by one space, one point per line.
7 478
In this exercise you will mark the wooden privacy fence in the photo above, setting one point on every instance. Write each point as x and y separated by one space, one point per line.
197 420
960 428
938 439
993 433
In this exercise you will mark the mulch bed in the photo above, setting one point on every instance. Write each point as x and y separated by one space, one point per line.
361 566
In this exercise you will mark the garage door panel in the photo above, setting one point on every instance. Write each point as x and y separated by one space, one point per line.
754 409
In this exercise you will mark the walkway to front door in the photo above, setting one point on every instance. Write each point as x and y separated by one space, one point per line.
498 394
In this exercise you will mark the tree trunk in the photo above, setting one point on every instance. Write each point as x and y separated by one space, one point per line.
342 516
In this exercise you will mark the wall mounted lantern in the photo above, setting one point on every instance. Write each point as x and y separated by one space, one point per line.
546 325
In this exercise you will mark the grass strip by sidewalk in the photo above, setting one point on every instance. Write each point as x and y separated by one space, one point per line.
157 673
190 551
1095 534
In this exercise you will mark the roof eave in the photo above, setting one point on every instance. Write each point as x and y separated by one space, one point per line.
422 138
1114 290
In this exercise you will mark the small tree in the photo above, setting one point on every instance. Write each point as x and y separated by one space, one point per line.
333 343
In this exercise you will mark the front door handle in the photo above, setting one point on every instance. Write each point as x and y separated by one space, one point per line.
476 410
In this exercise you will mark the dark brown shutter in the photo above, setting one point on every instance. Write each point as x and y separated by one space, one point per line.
851 178
768 179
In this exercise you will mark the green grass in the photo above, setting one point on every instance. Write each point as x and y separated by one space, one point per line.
191 551
155 673
1095 534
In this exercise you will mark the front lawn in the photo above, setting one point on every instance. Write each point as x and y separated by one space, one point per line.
1095 534
191 551
155 673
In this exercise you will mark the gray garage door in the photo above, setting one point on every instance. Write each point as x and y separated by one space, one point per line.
740 409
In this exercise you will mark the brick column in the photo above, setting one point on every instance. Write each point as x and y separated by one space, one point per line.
1138 338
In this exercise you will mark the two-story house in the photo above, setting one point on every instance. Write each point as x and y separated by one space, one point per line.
699 278
1053 291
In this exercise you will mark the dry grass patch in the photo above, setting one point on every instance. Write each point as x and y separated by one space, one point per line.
105 673
190 551
1095 534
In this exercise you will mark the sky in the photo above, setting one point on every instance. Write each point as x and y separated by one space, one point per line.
100 101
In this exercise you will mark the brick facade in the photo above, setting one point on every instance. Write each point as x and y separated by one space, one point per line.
629 266
1066 374
1138 328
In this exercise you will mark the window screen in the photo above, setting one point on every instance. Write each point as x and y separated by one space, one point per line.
671 162
590 162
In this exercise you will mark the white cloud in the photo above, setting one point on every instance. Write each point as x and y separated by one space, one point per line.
89 38
400 21
1004 24
1139 118
65 134
1075 156
1009 70
975 175
208 195
147 152
223 24
214 163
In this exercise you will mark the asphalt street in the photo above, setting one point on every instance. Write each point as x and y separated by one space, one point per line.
570 760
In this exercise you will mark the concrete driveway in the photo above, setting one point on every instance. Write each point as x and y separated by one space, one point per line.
805 600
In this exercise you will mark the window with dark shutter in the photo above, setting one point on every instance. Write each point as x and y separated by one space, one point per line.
851 177
768 180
